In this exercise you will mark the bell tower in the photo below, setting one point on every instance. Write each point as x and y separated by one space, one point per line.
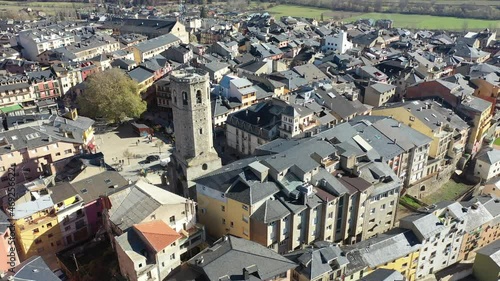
194 154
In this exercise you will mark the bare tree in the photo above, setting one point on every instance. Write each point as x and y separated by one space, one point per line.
127 154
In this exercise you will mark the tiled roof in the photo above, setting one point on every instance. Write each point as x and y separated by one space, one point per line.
157 233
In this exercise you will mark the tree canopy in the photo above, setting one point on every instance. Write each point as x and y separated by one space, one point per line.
112 95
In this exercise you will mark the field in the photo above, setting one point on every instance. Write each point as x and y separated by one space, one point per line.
430 22
400 20
497 142
449 191
50 8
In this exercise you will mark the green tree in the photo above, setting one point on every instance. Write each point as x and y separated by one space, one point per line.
322 17
112 95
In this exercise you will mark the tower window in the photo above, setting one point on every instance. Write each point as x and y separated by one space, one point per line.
201 131
204 167
198 96
184 98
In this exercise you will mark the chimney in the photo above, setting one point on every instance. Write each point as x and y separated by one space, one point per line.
246 274
394 140
5 124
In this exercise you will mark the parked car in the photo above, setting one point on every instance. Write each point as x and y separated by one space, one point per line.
152 158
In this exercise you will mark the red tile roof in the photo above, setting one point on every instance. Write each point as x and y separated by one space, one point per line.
157 233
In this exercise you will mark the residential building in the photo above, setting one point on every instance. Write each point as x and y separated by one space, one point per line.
15 91
383 275
153 47
448 131
216 70
299 191
85 49
45 85
249 128
478 221
131 39
143 77
34 268
486 265
440 232
181 54
194 154
455 92
337 42
403 148
8 252
36 151
487 164
231 256
149 250
396 250
36 41
379 94
296 120
323 261
47 220
150 28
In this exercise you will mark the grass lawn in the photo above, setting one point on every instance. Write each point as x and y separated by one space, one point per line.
51 8
410 201
449 191
430 22
497 142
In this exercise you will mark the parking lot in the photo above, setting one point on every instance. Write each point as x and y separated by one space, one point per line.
124 150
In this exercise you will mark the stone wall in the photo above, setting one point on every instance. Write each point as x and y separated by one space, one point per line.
431 183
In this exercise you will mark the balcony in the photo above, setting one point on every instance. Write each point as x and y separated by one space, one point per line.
307 125
70 219
192 237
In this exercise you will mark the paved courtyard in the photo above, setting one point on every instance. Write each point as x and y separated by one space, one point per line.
115 144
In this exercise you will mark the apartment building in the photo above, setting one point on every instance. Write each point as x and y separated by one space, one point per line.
256 125
47 220
232 256
298 192
403 148
455 92
296 120
486 266
9 257
482 225
152 47
144 208
323 261
15 90
379 94
36 152
396 250
148 251
448 131
337 42
87 48
440 232
487 164
36 41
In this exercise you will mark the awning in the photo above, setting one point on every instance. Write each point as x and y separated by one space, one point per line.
11 108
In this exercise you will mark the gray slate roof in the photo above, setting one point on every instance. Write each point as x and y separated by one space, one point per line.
229 256
34 268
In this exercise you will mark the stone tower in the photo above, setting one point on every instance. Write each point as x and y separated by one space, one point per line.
194 154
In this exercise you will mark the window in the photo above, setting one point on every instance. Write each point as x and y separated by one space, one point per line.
172 219
67 228
38 241
162 264
232 224
50 235
223 221
201 131
184 98
223 208
198 96
372 211
245 207
67 151
172 256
